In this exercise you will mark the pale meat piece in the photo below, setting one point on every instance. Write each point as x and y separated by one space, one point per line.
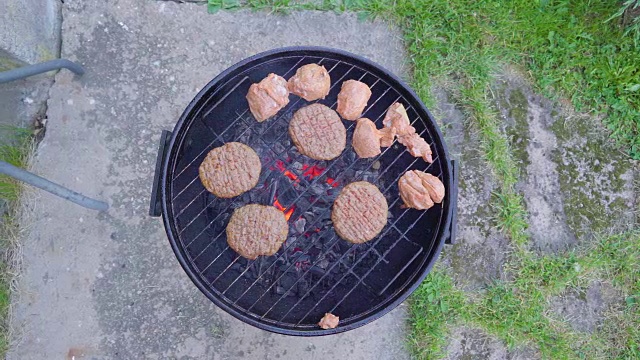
268 97
387 136
397 119
311 82
367 139
352 99
417 146
329 321
420 190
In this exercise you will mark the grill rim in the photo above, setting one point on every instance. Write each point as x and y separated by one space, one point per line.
444 233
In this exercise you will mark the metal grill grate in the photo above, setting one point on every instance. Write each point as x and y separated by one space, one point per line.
315 271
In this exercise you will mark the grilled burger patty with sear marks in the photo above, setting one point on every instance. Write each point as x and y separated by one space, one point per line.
230 170
360 212
318 132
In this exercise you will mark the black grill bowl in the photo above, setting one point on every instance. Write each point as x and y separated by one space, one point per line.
315 271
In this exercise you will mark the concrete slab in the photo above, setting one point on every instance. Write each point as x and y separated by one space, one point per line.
23 100
477 259
576 182
585 309
30 29
107 286
471 343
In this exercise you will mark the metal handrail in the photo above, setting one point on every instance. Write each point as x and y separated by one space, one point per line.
30 70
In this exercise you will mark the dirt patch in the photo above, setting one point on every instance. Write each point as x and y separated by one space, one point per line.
585 309
469 344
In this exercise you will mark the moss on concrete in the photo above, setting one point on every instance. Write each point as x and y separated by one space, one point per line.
7 63
512 103
592 179
519 132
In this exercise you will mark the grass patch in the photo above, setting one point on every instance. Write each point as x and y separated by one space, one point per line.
13 151
516 311
16 149
435 306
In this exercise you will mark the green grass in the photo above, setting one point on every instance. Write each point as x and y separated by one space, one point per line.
15 150
516 311
435 306
12 151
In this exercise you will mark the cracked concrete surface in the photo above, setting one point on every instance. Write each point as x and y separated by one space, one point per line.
470 343
107 285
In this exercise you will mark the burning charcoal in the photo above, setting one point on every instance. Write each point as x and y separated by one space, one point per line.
314 252
220 224
303 287
236 204
287 282
255 197
279 290
299 225
303 204
303 258
369 177
283 266
316 270
349 174
278 148
323 263
297 165
244 137
336 270
237 266
343 246
317 189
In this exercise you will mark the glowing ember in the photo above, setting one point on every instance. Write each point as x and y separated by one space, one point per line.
312 171
332 182
286 172
287 213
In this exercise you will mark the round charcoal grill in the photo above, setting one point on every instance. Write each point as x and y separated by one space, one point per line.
315 271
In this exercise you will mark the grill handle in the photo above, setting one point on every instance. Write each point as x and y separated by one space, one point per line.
453 209
155 206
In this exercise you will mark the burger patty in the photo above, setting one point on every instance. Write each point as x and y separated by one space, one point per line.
318 132
360 212
230 170
256 230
